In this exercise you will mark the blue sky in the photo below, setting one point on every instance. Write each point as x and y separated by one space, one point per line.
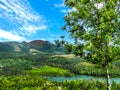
32 20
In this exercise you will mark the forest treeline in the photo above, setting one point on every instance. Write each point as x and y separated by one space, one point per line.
18 64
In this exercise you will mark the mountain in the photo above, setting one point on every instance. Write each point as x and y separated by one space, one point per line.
5 47
41 45
26 47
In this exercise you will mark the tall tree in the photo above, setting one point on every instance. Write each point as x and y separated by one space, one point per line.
57 43
97 24
62 40
68 48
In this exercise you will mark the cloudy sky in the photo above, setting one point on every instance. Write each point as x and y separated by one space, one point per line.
31 20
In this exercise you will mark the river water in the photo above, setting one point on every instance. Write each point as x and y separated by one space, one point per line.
85 77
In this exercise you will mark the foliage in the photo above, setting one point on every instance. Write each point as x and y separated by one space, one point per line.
49 71
39 83
97 27
14 67
68 48
97 24
23 72
57 43
21 63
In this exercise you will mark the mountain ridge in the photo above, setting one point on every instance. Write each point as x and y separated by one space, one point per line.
35 46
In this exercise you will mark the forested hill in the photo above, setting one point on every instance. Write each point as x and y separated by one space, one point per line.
35 46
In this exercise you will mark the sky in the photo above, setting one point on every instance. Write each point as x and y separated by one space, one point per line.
27 20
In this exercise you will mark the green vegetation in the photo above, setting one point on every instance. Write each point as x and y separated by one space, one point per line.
39 83
96 26
22 64
49 71
27 71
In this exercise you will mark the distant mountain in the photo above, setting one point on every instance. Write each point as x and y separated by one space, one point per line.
4 47
41 45
26 47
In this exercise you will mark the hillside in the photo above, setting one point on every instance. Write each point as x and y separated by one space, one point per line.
26 47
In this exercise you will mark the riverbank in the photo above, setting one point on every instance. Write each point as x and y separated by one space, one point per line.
84 77
39 83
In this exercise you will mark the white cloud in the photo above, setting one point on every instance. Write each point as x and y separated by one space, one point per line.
21 16
10 36
68 10
32 29
63 8
59 5
64 11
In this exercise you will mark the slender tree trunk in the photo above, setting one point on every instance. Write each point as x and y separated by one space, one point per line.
107 79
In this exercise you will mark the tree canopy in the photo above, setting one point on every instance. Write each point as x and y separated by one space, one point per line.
97 24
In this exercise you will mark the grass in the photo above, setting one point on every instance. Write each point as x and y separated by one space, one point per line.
49 71
66 55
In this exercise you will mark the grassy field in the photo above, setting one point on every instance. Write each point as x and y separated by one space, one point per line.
66 55
49 71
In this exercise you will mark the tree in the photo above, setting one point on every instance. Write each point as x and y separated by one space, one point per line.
57 43
62 40
97 24
68 48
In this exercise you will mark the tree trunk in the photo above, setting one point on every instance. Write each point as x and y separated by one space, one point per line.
107 79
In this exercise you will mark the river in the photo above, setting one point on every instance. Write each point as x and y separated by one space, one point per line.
85 77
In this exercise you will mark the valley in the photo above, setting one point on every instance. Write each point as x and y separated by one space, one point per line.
23 69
